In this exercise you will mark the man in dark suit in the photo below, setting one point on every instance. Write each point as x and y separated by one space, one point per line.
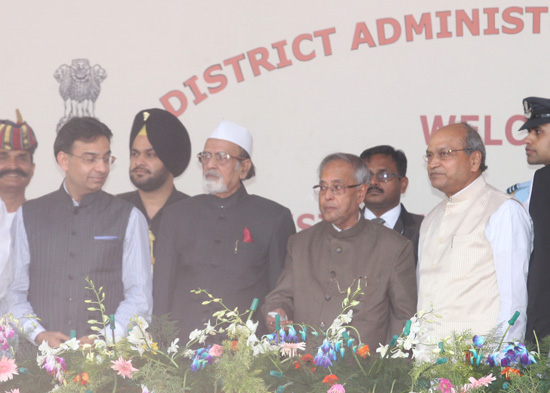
160 150
388 181
226 241
343 251
537 149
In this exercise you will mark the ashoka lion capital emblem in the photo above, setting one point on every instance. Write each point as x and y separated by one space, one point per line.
79 86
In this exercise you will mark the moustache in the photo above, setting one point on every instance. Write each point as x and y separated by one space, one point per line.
213 173
375 189
19 172
140 168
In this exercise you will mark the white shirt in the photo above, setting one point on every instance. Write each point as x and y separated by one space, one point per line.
510 236
6 270
390 217
136 276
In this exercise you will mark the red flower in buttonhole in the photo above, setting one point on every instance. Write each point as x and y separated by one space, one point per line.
331 379
247 237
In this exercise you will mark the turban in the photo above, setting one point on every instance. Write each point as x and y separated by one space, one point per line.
168 137
17 136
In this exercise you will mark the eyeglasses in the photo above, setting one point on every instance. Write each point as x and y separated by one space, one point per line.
92 159
442 154
221 157
337 189
386 176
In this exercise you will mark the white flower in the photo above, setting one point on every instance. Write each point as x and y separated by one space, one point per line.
399 354
409 342
139 339
251 326
145 389
46 349
141 322
382 349
251 340
209 329
346 318
195 334
173 347
232 329
72 344
336 324
189 353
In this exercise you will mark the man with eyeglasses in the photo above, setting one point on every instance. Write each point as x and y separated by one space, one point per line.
388 168
160 150
225 241
76 232
343 251
537 149
474 246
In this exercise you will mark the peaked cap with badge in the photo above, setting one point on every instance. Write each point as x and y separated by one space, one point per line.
537 112
167 135
17 136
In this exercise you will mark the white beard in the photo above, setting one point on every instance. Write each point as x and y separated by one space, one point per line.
213 184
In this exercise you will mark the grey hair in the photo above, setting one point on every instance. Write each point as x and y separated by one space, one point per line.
473 142
361 172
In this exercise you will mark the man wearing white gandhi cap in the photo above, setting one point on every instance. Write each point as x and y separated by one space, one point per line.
225 241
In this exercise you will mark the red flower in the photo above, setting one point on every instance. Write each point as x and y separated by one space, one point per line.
247 237
364 351
82 378
509 371
467 356
331 379
234 345
307 360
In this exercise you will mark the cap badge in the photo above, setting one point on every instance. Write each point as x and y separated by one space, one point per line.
528 109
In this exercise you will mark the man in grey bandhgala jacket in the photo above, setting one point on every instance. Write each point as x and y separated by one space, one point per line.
76 232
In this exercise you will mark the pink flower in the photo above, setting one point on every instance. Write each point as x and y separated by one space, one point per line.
445 386
336 389
290 349
13 391
215 350
124 367
483 381
7 369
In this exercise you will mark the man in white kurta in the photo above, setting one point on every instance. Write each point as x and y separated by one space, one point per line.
6 271
474 246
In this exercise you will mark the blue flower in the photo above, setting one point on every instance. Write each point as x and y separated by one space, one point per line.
322 359
479 341
492 359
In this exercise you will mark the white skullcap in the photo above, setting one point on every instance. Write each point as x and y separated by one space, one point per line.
232 132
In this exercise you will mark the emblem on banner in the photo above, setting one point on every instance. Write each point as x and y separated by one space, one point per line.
527 109
79 87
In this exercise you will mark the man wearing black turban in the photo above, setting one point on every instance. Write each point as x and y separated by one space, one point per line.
160 150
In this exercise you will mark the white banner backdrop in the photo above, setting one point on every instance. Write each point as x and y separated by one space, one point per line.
307 78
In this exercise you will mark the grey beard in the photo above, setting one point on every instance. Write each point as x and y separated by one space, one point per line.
213 186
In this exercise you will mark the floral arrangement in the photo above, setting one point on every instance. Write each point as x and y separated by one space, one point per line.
227 356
